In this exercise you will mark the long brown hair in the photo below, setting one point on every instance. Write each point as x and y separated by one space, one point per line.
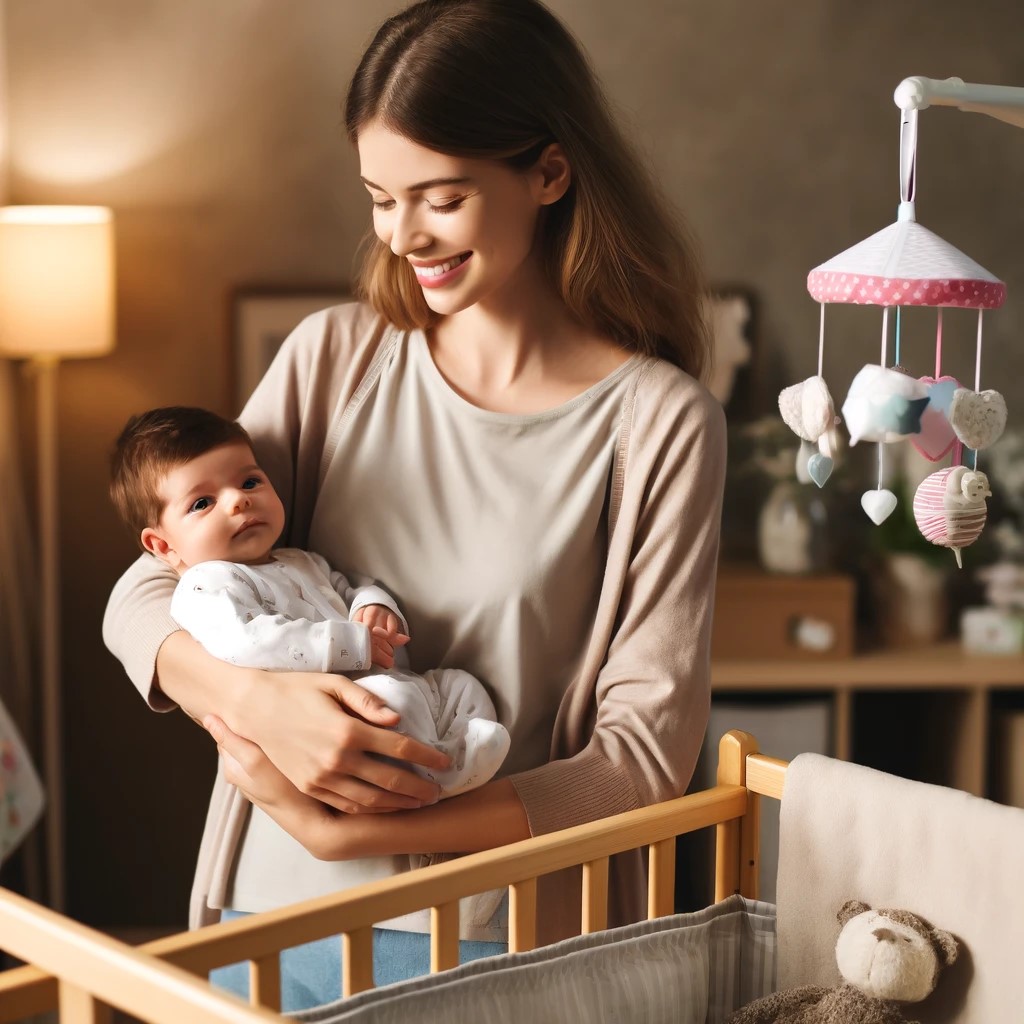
501 79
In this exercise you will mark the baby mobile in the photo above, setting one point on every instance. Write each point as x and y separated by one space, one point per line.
905 264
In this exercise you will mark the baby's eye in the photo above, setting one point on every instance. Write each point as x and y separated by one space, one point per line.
251 482
200 504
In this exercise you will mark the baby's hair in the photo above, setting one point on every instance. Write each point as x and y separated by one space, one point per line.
500 80
154 443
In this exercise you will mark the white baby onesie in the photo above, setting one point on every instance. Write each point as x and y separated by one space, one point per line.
293 614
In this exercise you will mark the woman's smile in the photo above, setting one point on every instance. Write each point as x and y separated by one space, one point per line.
436 275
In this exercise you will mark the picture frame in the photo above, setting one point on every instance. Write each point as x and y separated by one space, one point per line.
736 360
261 319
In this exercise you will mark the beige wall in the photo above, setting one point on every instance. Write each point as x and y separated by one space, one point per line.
4 111
213 130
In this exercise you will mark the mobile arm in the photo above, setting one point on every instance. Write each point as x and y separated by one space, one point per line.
1004 102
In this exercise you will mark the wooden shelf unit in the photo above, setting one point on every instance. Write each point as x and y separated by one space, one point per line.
894 710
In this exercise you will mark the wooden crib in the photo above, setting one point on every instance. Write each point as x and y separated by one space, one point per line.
83 973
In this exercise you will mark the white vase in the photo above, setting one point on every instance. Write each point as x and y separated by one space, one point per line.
792 530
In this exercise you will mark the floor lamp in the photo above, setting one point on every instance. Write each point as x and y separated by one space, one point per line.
56 302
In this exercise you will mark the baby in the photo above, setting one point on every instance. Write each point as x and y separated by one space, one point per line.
188 482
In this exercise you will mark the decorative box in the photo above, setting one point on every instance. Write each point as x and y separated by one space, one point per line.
992 631
761 615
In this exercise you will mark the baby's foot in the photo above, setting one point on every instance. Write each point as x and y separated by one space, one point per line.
476 755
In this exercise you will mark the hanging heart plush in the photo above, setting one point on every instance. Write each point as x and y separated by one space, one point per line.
978 418
819 468
883 405
878 504
807 408
936 437
950 509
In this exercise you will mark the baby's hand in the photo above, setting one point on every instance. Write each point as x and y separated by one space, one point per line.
383 624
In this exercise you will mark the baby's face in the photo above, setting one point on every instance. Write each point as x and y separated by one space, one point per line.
219 506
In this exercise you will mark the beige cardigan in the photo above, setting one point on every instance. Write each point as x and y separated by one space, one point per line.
630 725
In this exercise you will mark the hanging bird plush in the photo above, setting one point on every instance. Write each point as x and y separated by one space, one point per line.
808 411
950 509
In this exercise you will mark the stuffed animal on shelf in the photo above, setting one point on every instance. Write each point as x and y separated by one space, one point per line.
886 957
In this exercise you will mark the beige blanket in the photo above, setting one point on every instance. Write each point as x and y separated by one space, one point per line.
849 832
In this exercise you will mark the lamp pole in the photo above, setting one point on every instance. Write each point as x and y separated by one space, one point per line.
49 556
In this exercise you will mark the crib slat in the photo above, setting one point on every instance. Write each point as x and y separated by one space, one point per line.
522 916
750 849
733 838
78 1007
356 961
661 878
265 981
595 896
444 937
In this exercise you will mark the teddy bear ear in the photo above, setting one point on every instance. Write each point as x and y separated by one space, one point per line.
946 945
850 909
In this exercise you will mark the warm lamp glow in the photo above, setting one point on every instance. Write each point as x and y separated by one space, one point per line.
56 281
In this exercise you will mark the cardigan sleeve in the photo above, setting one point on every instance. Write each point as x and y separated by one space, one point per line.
138 620
288 416
641 724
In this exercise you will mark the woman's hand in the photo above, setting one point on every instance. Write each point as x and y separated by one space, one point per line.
307 820
324 732
329 737
248 768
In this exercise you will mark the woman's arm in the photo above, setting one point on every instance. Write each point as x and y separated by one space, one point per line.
648 666
481 819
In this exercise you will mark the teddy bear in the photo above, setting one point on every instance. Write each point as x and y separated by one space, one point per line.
886 957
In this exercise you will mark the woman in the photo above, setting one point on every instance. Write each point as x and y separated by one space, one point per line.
508 434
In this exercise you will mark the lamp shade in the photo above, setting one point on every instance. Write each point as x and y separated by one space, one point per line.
56 281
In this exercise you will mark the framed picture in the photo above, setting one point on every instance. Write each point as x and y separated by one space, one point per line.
732 316
261 319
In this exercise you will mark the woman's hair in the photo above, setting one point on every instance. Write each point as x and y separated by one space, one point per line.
502 79
151 445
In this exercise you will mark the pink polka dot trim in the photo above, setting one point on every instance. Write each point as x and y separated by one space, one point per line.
861 289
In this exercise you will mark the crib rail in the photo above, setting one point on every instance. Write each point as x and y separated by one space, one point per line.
83 991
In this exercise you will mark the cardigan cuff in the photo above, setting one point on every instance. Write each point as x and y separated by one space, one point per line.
563 794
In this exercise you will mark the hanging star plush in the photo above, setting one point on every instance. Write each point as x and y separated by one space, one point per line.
883 405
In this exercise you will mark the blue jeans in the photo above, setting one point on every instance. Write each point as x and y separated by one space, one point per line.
311 974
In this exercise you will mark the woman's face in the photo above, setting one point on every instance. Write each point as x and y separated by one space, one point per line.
467 226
